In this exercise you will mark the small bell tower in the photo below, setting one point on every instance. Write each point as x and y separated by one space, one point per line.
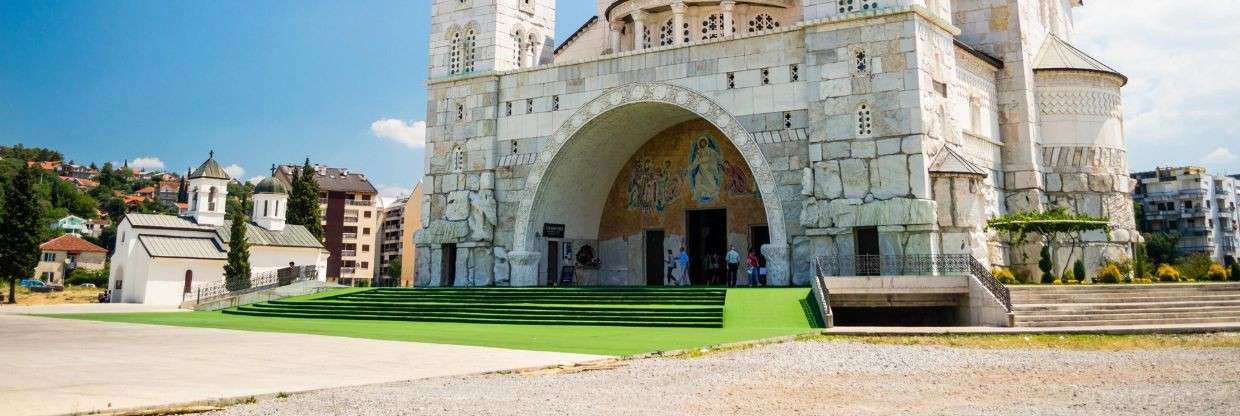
270 202
208 189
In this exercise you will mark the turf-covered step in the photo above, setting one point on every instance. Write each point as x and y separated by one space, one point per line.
502 320
673 307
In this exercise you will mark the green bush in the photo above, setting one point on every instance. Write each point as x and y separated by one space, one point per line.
1217 273
1045 264
78 277
1109 273
1195 267
1003 275
1078 270
1235 272
1167 273
1069 276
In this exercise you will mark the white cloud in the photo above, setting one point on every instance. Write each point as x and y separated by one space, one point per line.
255 180
146 163
234 170
388 194
1219 156
1180 101
412 134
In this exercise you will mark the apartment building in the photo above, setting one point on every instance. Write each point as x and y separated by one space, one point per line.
1198 206
400 221
350 207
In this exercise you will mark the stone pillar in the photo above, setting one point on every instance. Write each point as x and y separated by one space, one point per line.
776 264
524 267
615 36
678 23
727 6
639 29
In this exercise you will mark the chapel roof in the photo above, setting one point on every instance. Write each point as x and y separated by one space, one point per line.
291 236
182 247
1059 55
210 169
949 161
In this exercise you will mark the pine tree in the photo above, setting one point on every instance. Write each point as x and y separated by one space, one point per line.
183 191
237 270
19 230
303 204
1078 268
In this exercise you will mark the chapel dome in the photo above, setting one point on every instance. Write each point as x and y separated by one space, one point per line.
271 185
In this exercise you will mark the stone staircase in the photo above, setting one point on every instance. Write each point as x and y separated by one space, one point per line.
1110 305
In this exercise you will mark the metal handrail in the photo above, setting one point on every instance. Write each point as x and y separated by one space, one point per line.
258 281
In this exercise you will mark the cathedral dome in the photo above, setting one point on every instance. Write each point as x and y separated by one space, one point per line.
271 186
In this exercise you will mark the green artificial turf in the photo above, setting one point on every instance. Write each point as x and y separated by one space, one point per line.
748 314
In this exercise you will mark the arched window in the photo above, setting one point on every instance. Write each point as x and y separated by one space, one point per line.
277 211
687 34
667 33
712 26
518 46
646 37
211 200
471 49
532 45
189 281
193 200
865 120
762 22
458 159
265 208
454 53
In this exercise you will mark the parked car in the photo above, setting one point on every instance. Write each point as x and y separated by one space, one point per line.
39 286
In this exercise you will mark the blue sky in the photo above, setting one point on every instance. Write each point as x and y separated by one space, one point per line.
276 81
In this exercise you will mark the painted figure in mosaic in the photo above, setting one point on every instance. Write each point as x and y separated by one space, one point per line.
705 170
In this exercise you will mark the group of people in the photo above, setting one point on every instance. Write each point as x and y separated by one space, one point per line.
716 272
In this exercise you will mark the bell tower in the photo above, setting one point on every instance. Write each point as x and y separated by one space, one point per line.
476 36
208 189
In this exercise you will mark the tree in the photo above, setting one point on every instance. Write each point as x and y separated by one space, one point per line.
237 270
1078 268
183 191
303 204
1161 247
1053 225
19 230
393 267
239 199
1045 265
115 208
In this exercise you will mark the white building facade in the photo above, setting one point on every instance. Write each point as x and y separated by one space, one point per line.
159 259
793 128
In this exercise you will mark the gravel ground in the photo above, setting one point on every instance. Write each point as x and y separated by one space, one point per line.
821 378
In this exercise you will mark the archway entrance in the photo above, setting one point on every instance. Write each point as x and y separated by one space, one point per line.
638 163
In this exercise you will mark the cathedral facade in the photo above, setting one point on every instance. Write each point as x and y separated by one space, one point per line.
795 129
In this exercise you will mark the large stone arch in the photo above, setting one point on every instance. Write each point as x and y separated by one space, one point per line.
666 96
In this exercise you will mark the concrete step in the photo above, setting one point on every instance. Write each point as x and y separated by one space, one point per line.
1234 315
1074 310
1124 299
1020 289
1128 322
1127 294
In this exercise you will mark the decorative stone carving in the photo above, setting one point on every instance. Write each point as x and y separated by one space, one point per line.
482 217
501 266
524 268
776 264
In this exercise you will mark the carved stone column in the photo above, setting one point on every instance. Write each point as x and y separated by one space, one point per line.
678 23
524 267
776 264
639 29
727 6
615 36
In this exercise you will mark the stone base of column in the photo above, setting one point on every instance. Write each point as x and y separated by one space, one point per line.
524 267
777 273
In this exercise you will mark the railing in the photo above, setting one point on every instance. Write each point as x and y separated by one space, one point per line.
349 235
358 202
350 219
908 265
823 296
348 253
258 281
347 270
323 200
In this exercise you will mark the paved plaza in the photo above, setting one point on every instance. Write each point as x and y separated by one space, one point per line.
57 366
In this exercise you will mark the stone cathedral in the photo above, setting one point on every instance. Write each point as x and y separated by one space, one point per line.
793 128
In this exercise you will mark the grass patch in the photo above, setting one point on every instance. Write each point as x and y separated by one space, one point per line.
748 314
1080 342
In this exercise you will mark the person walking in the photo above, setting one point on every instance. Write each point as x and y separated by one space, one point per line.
669 263
752 261
734 263
682 261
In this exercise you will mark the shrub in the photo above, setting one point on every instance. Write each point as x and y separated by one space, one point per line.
1195 267
1003 275
1022 276
1069 275
1166 273
1217 273
78 277
1109 273
1078 269
1235 272
1045 264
